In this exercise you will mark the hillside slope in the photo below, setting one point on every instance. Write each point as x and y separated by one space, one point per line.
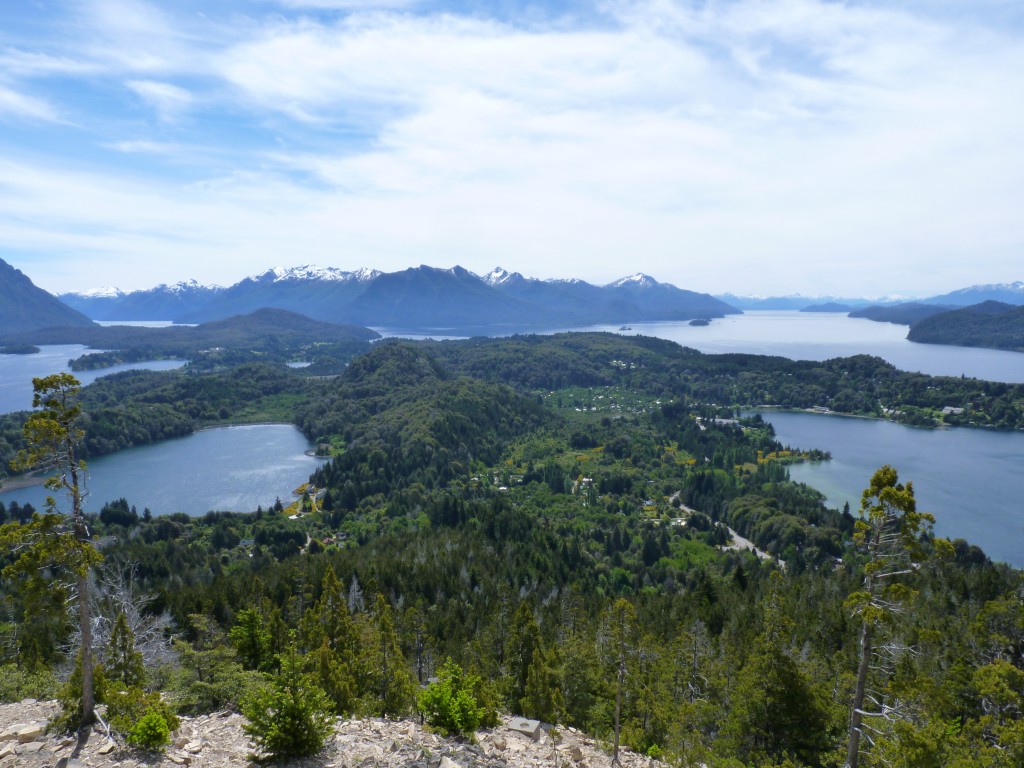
991 324
25 307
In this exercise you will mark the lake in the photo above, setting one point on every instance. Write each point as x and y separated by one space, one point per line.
798 336
821 336
229 468
970 479
17 372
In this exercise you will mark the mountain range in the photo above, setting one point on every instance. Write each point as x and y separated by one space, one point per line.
416 298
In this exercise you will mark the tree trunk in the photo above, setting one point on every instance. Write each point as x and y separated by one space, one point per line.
618 709
88 699
84 617
853 749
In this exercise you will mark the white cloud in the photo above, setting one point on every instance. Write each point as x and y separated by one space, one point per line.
790 145
168 100
347 5
20 105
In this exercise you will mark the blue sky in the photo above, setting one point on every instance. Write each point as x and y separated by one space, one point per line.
857 148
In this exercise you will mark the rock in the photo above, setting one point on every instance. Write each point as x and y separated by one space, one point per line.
30 732
9 734
8 750
394 747
526 727
27 702
499 742
576 753
194 747
447 762
107 748
32 747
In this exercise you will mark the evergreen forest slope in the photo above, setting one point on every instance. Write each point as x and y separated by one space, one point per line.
553 514
990 324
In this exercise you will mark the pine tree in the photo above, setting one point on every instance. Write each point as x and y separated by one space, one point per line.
124 663
55 540
891 533
390 686
291 719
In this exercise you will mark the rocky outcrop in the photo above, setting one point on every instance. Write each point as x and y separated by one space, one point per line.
218 741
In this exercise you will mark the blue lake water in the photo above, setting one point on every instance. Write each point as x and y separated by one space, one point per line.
972 480
801 336
822 336
231 468
17 372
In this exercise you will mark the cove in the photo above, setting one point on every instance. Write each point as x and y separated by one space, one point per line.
17 372
225 469
970 479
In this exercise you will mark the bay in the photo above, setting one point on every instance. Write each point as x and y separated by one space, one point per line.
17 372
228 468
970 479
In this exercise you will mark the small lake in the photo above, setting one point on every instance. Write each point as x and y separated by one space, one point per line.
229 468
17 372
970 479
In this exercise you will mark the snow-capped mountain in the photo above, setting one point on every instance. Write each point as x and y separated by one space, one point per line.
1007 293
639 280
498 276
107 292
419 297
310 272
162 302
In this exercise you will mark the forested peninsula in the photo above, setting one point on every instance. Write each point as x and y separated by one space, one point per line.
542 523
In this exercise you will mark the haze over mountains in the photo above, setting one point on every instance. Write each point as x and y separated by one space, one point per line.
419 297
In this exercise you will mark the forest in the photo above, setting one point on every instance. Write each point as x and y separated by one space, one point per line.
552 515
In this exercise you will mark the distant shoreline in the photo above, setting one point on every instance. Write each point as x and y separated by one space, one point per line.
17 482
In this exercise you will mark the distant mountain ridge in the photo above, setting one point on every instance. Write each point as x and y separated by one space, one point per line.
25 307
416 298
1006 293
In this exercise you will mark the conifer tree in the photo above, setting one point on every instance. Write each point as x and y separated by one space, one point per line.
891 533
123 663
391 687
54 539
617 640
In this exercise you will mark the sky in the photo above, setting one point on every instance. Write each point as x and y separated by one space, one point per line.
855 148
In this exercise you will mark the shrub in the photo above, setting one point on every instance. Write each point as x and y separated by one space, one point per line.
450 705
292 718
150 732
70 697
17 683
144 719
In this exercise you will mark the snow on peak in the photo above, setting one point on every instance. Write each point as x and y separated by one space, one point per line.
313 272
107 292
498 276
1016 287
639 280
185 286
365 275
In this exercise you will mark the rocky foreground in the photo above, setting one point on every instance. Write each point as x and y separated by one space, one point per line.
218 741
